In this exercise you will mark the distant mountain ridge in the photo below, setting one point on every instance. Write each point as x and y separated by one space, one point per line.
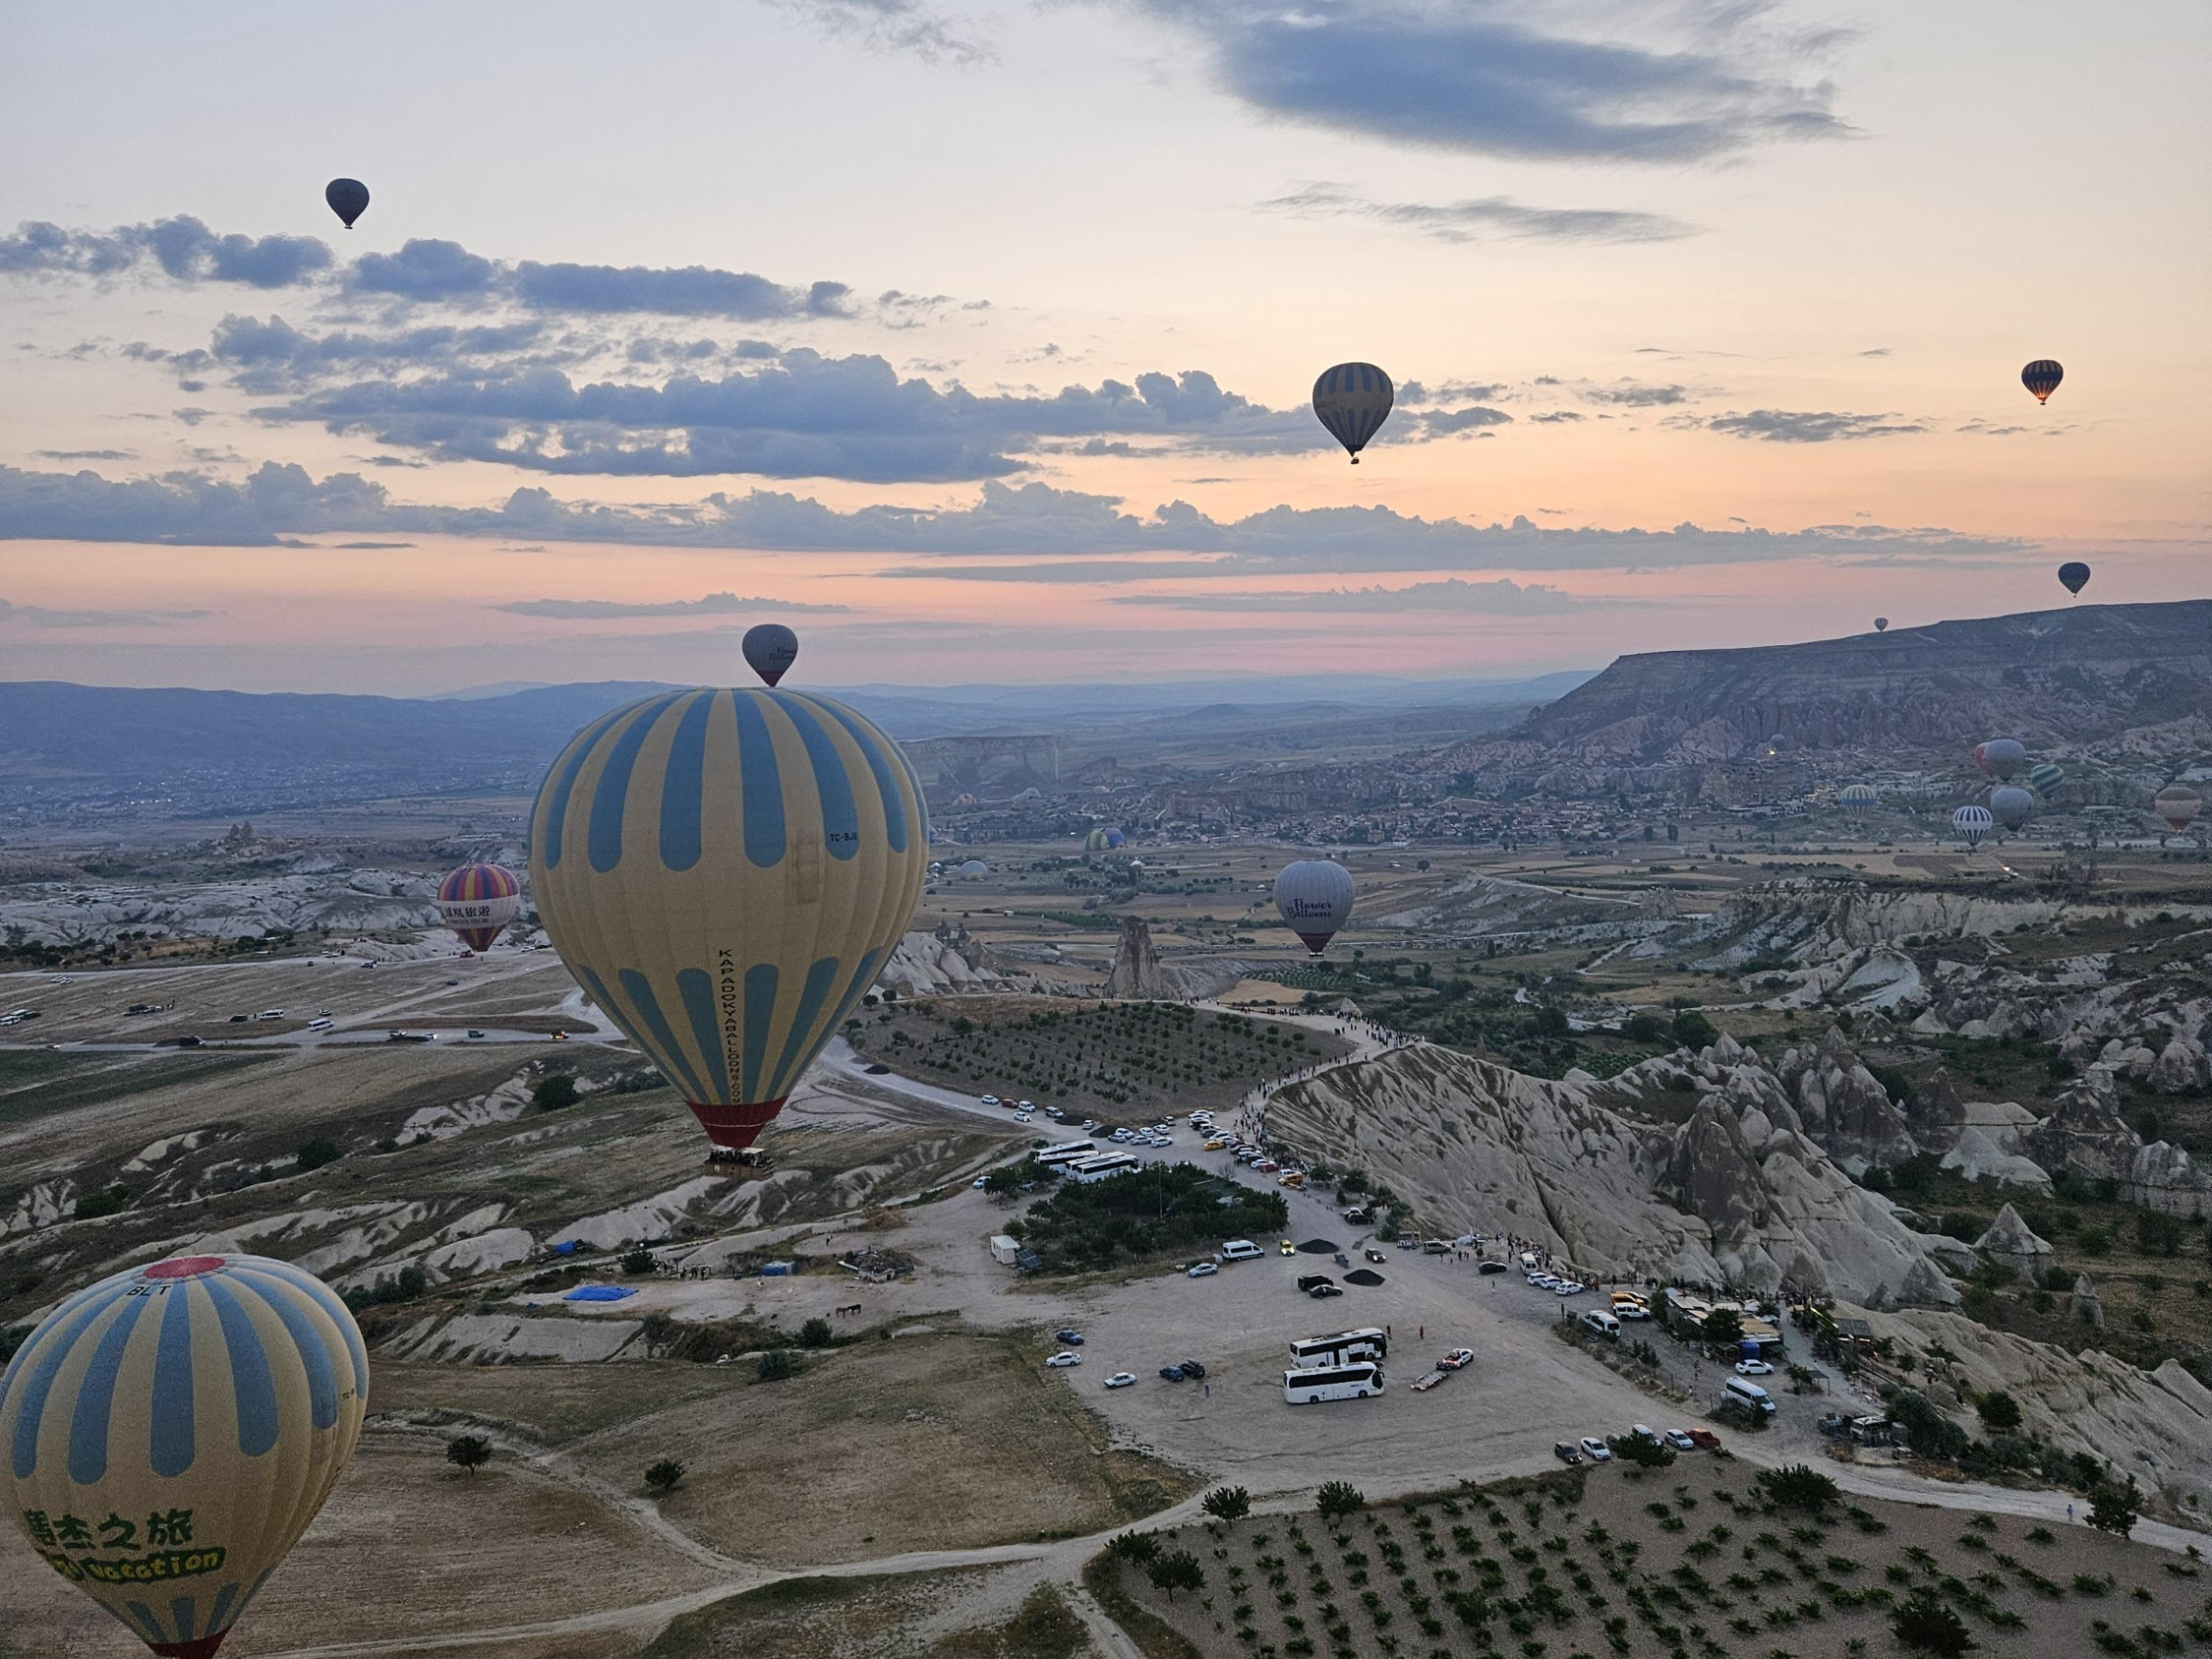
2083 672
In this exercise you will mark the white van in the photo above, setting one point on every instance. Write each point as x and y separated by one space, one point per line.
1749 1395
1239 1250
1602 1321
321 1025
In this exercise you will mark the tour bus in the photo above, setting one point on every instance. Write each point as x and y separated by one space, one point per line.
1352 1381
1099 1168
1340 1349
1067 1151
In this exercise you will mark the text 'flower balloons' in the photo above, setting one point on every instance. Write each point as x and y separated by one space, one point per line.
169 1433
1315 897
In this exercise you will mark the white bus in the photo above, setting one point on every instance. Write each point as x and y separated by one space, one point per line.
1340 1349
1099 1168
1067 1151
1353 1381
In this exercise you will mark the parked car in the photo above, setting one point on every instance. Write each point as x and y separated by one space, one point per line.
1643 1431
1322 1292
1374 1254
1541 1279
1754 1368
1568 1287
991 1100
1121 1135
977 1183
1489 1267
1313 1281
1596 1449
1191 1369
1425 1383
1705 1440
1171 1373
1680 1439
1204 1270
1567 1451
1457 1360
1068 1339
1064 1359
1286 1248
474 1031
1025 1105
1631 1310
1121 1379
1265 1166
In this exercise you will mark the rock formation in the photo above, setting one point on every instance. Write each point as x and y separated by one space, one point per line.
1844 1107
2011 1243
2085 1132
1137 972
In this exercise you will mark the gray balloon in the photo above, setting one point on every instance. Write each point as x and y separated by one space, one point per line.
769 649
348 199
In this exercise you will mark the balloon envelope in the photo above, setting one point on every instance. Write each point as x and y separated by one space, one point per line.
478 900
770 650
726 872
1315 897
169 1433
2001 757
2074 575
2012 806
1857 798
348 199
2179 805
1973 823
1353 400
1882 624
2042 377
2045 776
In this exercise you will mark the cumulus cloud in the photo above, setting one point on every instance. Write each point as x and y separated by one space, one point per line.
1444 422
1503 597
1634 396
181 248
39 616
712 605
1489 77
1806 426
1483 219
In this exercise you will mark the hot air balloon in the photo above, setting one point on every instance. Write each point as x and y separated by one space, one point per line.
476 901
2042 377
1973 823
2073 576
2178 804
2001 757
770 650
726 871
2012 806
1882 624
1353 400
976 869
1315 897
2045 776
169 1433
1857 799
348 199
1095 842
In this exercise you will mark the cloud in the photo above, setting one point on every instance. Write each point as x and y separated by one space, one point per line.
37 615
181 248
893 25
1503 597
85 454
1064 535
1447 421
1483 219
1805 426
370 547
1481 78
1552 417
1629 395
712 604
424 269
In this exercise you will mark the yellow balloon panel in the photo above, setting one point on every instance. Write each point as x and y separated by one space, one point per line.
169 1433
726 872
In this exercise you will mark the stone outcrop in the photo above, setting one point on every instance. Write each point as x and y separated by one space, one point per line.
2088 1306
2165 1178
1992 1145
948 960
2085 1132
1137 972
2011 1243
1843 1106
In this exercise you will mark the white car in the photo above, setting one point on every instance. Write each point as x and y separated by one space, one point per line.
1204 1270
1568 1287
1025 1105
1121 1135
1596 1449
1122 1380
1643 1431
1065 1359
1631 1310
1680 1439
1542 1280
1754 1368
978 1182
991 1100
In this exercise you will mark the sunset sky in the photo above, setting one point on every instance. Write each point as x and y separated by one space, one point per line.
975 342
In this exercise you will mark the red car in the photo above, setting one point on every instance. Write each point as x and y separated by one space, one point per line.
1705 1440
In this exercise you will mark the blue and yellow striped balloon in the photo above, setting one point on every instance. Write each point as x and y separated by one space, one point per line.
1353 400
726 872
169 1433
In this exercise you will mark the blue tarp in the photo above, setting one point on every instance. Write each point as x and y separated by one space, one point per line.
566 1247
598 1293
775 1270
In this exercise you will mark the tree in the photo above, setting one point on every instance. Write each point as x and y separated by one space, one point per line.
1178 1570
1137 1547
637 1261
1999 1410
1723 1326
467 1451
314 1154
1004 1181
1800 1486
554 1092
815 1333
2113 1508
1337 1499
1646 1026
1929 1624
661 1477
1227 1503
1692 1030
775 1365
1551 1021
1642 1450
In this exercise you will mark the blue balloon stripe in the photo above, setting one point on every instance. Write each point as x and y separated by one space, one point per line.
174 1442
155 1631
833 784
887 783
560 784
314 1354
610 797
41 1365
96 1394
812 995
184 1612
760 1014
251 1385
716 1086
327 1300
862 979
639 989
683 786
220 1616
760 782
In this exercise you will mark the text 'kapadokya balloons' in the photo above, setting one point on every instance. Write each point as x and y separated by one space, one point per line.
1882 624
2012 806
770 650
1315 897
2177 805
2073 576
726 872
2001 757
1973 823
478 900
348 199
2042 377
169 1433
1353 400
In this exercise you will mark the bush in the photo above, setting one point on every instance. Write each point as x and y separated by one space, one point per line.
775 1366
637 1261
1138 1547
1799 1486
554 1092
1999 1410
1227 1503
108 1201
815 1334
1926 1623
1692 1030
1177 1569
2113 1508
1337 1499
1085 1226
314 1154
1643 1452
467 1451
1927 1431
661 1477
1644 1026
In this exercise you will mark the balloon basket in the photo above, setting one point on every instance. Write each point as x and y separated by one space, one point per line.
726 1158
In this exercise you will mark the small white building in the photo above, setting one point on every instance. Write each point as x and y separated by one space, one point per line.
1004 1250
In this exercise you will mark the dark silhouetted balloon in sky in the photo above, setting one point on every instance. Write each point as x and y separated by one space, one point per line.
2042 377
348 199
1353 400
2075 575
771 649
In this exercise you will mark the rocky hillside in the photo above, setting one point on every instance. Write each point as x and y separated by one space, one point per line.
2088 671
